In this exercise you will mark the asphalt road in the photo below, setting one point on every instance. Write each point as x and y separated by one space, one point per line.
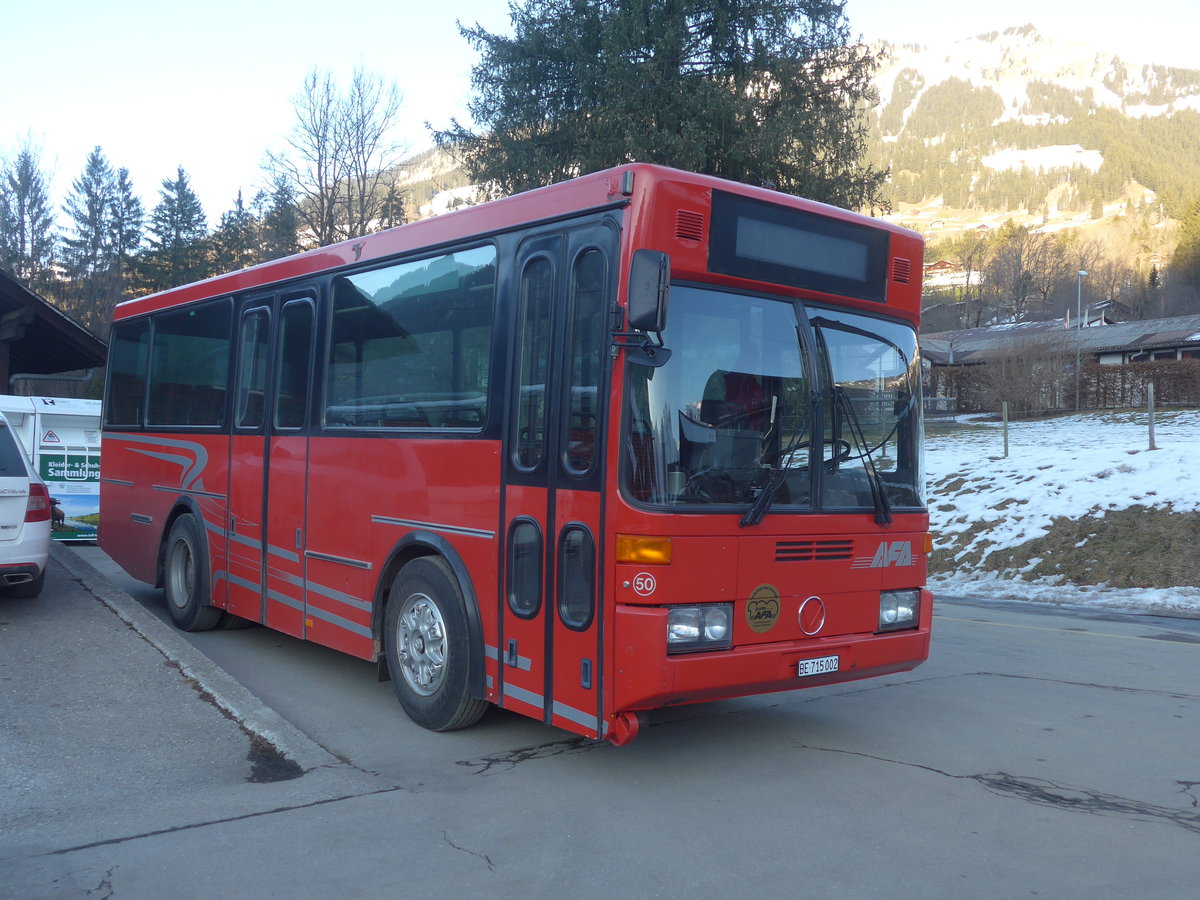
1052 753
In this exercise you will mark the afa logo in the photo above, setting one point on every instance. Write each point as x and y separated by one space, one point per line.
895 553
762 608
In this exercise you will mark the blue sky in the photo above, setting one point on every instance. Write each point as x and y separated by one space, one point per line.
157 90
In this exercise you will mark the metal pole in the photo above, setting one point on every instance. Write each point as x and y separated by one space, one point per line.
1004 415
1150 409
1078 327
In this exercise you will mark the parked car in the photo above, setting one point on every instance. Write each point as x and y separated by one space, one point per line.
25 512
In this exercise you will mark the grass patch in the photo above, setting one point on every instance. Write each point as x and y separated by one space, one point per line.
1137 547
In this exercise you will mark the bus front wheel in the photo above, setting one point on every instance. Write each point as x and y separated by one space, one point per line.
428 648
185 577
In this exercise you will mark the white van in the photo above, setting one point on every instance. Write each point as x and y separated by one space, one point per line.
25 519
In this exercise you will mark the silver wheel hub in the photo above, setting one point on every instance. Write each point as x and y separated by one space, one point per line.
182 574
421 644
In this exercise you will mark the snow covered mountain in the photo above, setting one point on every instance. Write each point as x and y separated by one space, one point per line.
1037 78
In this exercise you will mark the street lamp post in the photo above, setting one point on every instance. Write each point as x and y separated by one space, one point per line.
1079 276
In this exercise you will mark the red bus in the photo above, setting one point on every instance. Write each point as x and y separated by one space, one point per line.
639 439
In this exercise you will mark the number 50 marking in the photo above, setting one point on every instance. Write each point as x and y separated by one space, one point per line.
644 584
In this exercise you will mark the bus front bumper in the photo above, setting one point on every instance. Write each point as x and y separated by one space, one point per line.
646 677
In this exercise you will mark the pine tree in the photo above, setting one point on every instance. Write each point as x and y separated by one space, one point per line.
280 222
27 239
1185 266
178 248
236 239
392 212
87 246
128 223
759 91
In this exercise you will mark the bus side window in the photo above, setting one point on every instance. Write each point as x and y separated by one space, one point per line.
129 361
189 360
411 343
529 423
294 364
252 374
589 340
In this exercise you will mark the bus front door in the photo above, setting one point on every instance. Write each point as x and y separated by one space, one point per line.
549 653
269 460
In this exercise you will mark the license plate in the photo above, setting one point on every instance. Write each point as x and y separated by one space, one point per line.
818 666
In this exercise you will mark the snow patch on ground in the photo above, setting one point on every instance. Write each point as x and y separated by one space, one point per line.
1071 466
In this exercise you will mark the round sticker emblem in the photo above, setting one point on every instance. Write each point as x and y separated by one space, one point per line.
644 584
762 609
812 615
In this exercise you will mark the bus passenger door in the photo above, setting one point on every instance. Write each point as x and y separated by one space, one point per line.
247 463
549 654
268 496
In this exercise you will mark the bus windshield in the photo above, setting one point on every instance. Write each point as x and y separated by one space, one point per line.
746 415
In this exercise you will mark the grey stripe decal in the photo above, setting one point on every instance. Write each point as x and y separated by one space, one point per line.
322 614
119 481
189 478
435 526
285 600
255 544
142 519
321 590
511 690
235 538
523 662
244 582
289 555
579 717
340 622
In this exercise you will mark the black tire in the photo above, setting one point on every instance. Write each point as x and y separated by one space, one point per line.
231 622
29 589
185 577
428 646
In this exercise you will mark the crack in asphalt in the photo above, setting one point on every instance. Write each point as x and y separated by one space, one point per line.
487 859
1186 790
1174 695
1046 793
193 825
510 760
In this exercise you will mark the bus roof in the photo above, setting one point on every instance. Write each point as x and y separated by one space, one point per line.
614 187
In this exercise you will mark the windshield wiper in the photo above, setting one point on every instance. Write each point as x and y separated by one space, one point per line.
775 479
883 507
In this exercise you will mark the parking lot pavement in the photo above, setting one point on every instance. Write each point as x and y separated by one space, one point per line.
112 727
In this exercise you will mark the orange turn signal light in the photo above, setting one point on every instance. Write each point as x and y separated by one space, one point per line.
646 551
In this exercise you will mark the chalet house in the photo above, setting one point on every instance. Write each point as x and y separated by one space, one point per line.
941 267
1100 341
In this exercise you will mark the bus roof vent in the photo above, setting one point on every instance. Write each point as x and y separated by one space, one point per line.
689 226
901 270
813 551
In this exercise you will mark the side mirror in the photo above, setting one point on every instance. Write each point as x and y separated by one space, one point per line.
649 290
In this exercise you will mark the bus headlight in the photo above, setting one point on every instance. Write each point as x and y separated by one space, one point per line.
692 628
898 609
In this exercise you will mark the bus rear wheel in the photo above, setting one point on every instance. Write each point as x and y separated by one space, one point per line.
185 577
428 646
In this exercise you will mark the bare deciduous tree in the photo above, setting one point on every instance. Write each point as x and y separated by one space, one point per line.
339 153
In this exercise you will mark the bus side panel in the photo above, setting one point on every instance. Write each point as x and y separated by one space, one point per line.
387 489
144 477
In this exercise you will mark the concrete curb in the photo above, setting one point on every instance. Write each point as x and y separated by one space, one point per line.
229 694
